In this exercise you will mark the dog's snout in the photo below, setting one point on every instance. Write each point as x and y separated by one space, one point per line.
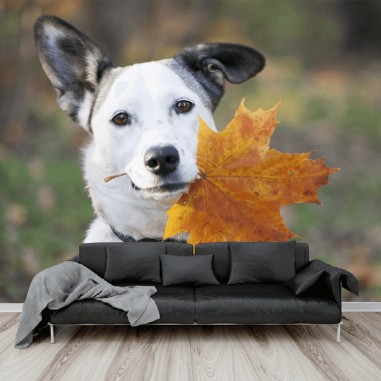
162 160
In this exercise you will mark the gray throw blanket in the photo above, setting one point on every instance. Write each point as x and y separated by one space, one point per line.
62 284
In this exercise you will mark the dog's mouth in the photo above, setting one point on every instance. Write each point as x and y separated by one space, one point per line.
163 189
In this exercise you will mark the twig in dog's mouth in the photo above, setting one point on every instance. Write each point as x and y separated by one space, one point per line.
109 178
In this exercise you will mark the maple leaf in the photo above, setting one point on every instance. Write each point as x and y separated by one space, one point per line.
243 184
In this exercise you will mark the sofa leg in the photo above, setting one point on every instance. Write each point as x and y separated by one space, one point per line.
338 332
51 333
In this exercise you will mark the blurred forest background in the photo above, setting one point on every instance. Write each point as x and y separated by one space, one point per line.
323 63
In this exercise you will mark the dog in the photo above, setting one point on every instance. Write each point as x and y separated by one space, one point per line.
143 120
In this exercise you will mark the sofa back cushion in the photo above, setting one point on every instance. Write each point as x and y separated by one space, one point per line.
302 255
221 258
178 248
134 262
262 262
93 256
195 270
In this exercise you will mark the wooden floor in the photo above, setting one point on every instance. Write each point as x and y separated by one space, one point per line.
197 352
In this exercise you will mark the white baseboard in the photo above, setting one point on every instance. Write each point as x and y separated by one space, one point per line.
11 307
346 306
361 306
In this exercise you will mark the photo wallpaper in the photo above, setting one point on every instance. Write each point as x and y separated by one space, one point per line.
322 71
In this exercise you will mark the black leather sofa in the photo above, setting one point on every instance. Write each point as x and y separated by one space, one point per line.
223 283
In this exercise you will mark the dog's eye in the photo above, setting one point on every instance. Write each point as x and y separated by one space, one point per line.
183 106
121 119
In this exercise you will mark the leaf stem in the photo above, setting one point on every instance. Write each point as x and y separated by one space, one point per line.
109 178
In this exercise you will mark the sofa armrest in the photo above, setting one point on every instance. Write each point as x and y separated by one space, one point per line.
320 273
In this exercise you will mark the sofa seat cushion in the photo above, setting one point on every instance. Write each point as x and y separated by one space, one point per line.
175 304
261 304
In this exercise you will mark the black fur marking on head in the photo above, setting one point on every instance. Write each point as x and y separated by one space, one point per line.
211 63
103 66
197 81
109 75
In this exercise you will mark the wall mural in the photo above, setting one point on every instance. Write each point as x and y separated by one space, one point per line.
240 188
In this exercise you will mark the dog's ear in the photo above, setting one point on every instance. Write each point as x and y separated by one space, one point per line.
215 62
73 63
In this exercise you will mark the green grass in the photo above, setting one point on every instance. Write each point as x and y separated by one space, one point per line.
52 231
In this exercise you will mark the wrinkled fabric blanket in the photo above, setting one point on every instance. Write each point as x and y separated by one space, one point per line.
62 284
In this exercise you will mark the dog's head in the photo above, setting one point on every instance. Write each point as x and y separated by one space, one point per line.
144 117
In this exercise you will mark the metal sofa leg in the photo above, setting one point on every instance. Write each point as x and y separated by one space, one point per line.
338 332
51 333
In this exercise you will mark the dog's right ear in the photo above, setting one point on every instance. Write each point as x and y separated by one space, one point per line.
213 63
73 63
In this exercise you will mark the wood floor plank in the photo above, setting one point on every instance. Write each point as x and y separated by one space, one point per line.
336 361
8 320
213 356
30 363
314 349
280 357
196 353
365 335
171 356
117 369
68 358
135 353
7 315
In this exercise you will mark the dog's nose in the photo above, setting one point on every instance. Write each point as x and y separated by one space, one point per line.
162 160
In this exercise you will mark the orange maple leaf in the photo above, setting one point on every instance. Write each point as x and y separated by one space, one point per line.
243 184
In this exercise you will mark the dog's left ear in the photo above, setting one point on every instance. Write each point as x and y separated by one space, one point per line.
213 63
73 63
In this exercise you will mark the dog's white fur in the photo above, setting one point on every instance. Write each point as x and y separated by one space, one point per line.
148 90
